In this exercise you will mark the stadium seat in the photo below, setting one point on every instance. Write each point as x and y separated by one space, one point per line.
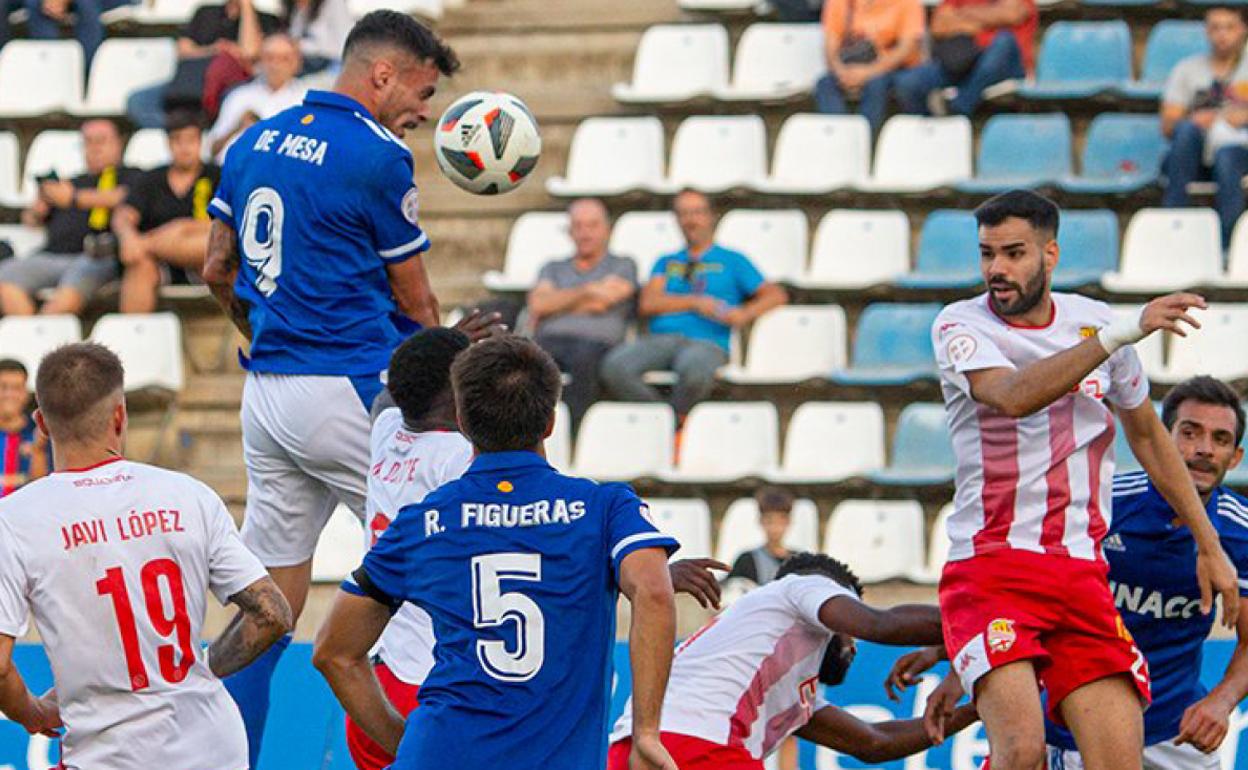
1151 349
1237 256
147 149
40 77
814 445
1217 348
726 441
717 153
1080 59
149 345
1169 42
536 238
948 254
775 61
1088 241
1168 249
793 344
1021 151
818 154
23 240
53 150
612 156
559 445
624 441
339 549
717 6
124 65
166 12
916 154
687 520
644 236
29 338
856 249
893 345
776 241
10 171
676 63
877 539
428 9
937 549
1122 154
740 531
922 451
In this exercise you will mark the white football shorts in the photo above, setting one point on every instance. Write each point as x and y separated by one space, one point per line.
1159 756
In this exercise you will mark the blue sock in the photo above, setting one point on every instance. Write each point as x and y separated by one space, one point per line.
250 690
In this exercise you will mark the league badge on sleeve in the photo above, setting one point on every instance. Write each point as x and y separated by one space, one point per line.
411 205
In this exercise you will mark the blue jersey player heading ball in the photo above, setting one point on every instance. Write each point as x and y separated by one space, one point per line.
519 568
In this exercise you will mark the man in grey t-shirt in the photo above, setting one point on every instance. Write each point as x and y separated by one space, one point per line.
582 305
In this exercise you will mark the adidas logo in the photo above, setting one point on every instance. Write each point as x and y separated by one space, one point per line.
1114 543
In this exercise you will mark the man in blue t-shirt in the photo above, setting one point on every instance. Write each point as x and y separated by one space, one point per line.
519 569
694 300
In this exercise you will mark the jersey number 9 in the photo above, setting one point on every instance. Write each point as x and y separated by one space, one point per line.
262 237
492 607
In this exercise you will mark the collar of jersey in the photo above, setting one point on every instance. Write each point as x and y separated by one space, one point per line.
497 461
336 101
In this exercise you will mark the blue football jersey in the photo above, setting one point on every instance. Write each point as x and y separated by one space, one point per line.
322 199
518 567
1152 575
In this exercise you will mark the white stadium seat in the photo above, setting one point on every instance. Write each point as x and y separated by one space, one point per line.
856 249
819 154
915 154
677 62
1217 348
40 77
624 441
559 445
644 236
166 12
740 530
717 153
1168 249
1151 349
149 345
612 156
429 9
725 440
878 539
687 520
793 344
29 338
937 549
10 171
147 148
54 150
536 238
24 240
122 66
776 241
1236 258
339 549
720 6
819 432
776 61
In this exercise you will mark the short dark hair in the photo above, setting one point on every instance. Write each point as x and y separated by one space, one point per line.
506 391
1205 390
71 382
391 28
774 499
181 118
806 563
13 365
1040 212
420 369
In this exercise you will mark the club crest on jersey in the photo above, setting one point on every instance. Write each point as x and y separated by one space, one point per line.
506 486
1000 635
1086 332
961 347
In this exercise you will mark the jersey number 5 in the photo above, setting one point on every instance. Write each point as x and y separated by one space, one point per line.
262 237
492 607
175 662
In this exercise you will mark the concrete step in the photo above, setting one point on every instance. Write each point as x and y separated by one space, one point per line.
229 483
213 390
529 16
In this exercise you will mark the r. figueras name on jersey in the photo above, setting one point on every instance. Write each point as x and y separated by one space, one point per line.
131 526
297 146
1133 599
535 514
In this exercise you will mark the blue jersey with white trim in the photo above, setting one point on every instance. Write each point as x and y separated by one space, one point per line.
322 199
518 568
1152 575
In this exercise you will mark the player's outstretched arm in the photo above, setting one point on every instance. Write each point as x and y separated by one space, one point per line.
880 742
18 703
909 667
644 579
221 269
412 293
905 624
1206 722
264 617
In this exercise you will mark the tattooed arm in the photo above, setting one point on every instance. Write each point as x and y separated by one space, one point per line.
264 616
220 270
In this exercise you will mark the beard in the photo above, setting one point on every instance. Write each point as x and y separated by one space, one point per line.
1026 296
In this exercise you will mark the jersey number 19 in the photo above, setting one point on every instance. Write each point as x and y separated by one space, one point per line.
175 660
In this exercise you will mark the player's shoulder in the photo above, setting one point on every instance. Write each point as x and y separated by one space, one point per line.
1130 484
1232 518
964 312
1080 308
373 137
386 423
168 479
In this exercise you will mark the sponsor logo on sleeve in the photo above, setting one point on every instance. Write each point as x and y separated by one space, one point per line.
961 347
411 205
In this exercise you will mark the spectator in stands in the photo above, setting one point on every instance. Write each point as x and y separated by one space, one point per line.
321 28
975 44
80 256
1204 112
797 10
693 300
273 90
582 305
24 451
759 565
162 230
46 17
867 42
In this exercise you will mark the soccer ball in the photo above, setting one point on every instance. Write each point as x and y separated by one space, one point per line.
487 142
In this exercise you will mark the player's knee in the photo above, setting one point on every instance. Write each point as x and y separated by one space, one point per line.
1018 752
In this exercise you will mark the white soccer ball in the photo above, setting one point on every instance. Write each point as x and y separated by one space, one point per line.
487 142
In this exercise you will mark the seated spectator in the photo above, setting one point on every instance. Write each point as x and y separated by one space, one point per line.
24 450
694 299
46 17
867 42
1205 116
759 565
162 230
273 90
975 44
582 305
80 256
321 28
793 11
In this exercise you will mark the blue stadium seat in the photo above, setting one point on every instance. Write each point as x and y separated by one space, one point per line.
1123 154
1080 59
1021 151
1169 42
1089 247
948 252
893 346
922 452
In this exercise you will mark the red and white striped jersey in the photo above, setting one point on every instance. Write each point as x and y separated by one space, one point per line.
1040 483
